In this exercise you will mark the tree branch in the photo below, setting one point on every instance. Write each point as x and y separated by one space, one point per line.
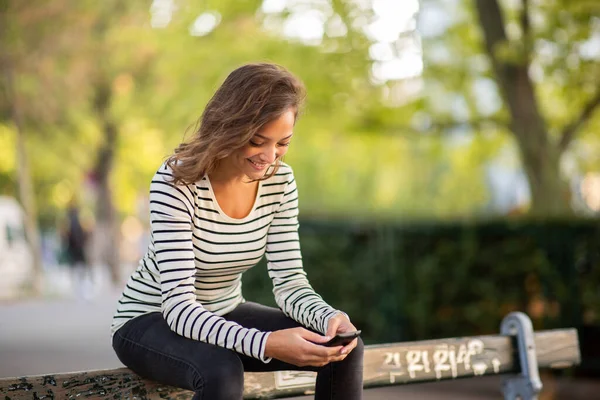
526 29
492 23
525 22
569 131
514 81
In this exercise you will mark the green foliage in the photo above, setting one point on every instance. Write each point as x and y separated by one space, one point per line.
564 74
160 80
353 152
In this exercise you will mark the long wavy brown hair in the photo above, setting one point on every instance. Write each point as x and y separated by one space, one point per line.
250 97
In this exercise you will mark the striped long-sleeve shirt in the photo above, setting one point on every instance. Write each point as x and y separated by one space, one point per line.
193 267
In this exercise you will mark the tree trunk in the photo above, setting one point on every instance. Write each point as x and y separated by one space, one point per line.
550 194
540 157
25 185
106 233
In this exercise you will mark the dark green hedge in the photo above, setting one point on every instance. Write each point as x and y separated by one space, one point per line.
430 280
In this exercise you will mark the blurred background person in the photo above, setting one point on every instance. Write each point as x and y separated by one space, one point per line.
74 242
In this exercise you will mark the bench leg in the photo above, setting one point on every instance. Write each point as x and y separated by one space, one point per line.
527 384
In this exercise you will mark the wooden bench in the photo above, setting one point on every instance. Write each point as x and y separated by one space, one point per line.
517 352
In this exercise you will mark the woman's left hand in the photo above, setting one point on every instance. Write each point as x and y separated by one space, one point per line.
340 323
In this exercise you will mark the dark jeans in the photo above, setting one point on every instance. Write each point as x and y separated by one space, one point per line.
150 348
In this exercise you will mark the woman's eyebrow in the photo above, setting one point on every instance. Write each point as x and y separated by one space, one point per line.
266 138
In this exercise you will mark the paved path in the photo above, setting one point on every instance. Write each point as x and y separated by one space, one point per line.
69 334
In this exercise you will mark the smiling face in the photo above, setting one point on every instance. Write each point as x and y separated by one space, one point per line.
269 144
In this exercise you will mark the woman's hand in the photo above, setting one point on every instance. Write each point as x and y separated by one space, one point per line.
299 346
340 323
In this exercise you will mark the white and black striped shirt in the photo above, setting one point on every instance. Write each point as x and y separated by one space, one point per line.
193 268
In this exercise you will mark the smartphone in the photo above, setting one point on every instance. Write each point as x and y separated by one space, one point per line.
342 339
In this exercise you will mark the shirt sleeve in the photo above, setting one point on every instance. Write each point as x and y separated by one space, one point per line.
171 220
293 293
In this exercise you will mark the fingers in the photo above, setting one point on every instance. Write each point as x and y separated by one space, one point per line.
315 354
349 347
323 353
346 326
335 323
320 361
313 337
339 323
332 327
318 355
344 351
338 358
337 355
314 345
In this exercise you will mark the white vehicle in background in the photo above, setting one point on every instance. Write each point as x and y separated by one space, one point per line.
16 261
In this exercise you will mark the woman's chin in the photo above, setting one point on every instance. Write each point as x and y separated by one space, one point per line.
254 175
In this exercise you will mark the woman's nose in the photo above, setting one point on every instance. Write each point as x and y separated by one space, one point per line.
271 155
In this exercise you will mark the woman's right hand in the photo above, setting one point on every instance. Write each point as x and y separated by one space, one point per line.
299 346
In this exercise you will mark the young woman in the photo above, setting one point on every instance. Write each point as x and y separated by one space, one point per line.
217 205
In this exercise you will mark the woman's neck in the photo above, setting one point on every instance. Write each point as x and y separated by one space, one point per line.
224 175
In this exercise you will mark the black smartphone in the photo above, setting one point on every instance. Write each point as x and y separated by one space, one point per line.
342 339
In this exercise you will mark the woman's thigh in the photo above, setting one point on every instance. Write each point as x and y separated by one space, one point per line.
264 318
150 348
261 317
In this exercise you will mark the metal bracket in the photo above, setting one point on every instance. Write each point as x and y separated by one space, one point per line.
527 384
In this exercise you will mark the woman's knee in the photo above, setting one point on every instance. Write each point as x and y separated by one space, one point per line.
358 352
223 380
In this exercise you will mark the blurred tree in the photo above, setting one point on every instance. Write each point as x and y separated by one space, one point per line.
71 64
115 62
544 78
32 36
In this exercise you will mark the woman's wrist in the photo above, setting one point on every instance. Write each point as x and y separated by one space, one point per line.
266 351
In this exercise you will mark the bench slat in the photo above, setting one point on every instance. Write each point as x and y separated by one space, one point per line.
389 364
